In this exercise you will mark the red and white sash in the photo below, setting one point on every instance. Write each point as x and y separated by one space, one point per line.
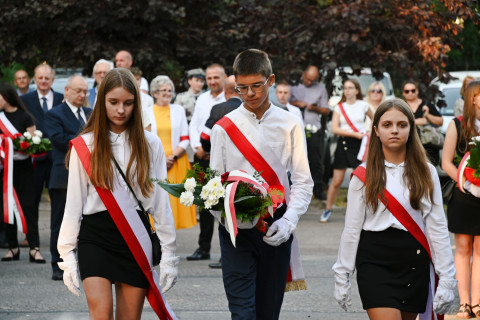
362 153
126 218
11 205
398 204
263 159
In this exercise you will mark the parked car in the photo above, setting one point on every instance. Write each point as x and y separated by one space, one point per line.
365 79
450 92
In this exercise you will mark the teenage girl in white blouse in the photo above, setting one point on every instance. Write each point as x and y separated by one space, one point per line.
393 272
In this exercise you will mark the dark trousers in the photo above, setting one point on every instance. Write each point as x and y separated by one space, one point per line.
254 274
316 155
207 221
23 184
58 199
41 177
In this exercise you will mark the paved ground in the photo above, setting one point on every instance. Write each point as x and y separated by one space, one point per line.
27 292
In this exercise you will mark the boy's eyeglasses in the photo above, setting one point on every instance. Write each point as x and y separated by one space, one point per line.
258 87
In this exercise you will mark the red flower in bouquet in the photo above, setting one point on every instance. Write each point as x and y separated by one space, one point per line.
24 145
32 144
468 175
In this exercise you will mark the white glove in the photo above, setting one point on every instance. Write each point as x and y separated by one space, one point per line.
71 275
444 296
342 291
279 232
168 272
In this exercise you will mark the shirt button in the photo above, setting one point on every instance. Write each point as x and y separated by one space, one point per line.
409 285
418 251
404 301
344 142
345 148
413 268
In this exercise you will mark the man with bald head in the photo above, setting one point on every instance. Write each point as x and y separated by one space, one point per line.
216 77
124 59
62 124
38 103
312 99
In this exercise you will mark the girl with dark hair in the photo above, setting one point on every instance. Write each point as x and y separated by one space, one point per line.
348 122
102 235
425 114
464 208
395 231
15 114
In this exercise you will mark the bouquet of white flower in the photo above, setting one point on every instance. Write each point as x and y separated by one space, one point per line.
34 145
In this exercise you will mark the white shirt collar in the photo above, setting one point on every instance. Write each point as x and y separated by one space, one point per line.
392 165
253 115
49 96
114 137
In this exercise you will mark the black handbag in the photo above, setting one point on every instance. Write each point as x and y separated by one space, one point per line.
147 220
447 190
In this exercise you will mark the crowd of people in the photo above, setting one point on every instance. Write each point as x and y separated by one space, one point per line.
149 131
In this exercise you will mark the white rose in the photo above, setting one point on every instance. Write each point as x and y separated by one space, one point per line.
27 135
477 138
308 127
36 140
314 128
186 198
38 133
190 184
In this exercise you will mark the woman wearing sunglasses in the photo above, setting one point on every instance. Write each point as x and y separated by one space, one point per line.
376 94
425 114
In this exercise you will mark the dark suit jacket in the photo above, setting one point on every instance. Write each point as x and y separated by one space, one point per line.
61 126
33 105
217 113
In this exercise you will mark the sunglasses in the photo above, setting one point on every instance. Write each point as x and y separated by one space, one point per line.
408 91
376 91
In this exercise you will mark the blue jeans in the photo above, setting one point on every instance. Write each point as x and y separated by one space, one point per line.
254 274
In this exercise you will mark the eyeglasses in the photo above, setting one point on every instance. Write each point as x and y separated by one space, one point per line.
79 91
101 72
408 91
257 87
376 91
166 91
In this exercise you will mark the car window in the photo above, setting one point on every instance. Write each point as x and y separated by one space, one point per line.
451 95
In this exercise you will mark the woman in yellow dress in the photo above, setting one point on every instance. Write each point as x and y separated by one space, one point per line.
170 124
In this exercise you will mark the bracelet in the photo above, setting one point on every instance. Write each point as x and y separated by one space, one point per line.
175 158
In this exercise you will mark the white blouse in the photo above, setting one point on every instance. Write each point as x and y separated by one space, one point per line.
357 113
360 217
82 197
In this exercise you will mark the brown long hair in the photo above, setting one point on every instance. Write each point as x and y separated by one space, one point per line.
101 173
469 115
416 172
357 86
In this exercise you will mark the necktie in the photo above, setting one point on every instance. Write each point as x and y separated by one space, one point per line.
44 104
80 119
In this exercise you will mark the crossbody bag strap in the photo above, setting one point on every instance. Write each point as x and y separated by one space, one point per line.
145 213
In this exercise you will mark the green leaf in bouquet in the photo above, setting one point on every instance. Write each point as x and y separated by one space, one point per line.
248 202
175 189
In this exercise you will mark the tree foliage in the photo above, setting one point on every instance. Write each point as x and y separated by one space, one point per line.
413 38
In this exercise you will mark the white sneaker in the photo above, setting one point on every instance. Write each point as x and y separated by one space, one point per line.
325 216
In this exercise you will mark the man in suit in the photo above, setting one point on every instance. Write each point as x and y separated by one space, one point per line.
38 103
100 69
62 124
219 110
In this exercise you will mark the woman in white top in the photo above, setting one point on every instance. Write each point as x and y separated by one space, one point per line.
391 257
91 241
348 122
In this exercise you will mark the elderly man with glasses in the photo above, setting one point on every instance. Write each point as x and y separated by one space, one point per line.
100 69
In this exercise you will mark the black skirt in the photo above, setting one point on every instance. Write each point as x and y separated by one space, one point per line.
346 153
393 271
463 213
102 252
